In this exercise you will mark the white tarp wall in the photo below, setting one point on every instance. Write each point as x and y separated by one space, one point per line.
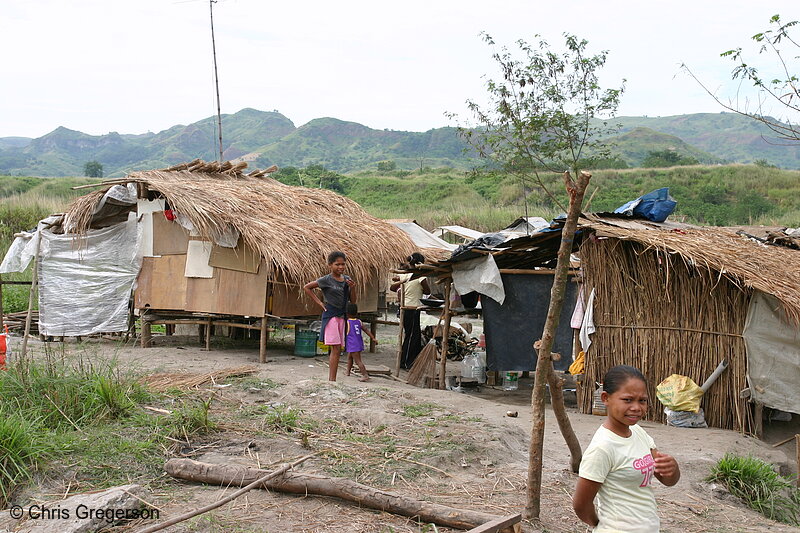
773 355
85 285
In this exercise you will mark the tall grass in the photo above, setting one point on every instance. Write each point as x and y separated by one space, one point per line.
48 404
758 485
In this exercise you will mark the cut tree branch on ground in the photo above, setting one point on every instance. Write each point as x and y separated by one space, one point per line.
345 489
219 503
576 191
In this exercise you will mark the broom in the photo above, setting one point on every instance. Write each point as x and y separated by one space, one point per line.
423 365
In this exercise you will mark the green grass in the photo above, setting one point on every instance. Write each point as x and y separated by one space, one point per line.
417 410
758 485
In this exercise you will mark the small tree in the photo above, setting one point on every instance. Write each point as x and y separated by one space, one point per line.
386 166
93 169
540 121
778 98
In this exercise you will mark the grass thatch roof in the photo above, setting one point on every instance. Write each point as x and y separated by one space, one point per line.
293 228
773 269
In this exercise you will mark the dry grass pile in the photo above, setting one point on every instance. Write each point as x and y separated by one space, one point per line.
183 380
293 228
665 316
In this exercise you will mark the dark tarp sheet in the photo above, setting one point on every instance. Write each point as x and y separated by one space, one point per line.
512 328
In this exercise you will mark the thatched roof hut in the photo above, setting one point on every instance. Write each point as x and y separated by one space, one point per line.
675 298
679 299
292 228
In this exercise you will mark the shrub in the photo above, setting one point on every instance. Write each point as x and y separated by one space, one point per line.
759 486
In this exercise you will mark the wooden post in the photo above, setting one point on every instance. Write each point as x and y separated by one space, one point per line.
147 331
373 328
400 301
797 451
34 285
1 304
262 347
758 419
445 335
208 334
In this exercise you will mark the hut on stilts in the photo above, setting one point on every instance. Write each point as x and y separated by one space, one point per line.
209 244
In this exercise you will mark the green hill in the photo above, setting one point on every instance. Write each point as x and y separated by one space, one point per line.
268 138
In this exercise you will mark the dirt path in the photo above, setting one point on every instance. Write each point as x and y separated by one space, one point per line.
453 448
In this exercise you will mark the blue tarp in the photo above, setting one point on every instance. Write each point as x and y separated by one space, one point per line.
655 206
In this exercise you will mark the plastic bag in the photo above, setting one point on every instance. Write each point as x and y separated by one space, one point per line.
655 206
679 393
685 419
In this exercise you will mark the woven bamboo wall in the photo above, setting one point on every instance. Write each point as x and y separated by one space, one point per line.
664 316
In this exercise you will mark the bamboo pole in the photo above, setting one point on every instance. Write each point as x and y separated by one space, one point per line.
34 285
445 335
576 191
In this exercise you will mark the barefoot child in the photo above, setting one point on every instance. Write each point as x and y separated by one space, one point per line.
337 291
354 342
620 462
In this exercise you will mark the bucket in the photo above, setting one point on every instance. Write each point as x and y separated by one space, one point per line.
305 342
322 348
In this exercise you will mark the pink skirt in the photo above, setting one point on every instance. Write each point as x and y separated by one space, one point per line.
334 331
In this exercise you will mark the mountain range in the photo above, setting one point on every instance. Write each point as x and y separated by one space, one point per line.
264 138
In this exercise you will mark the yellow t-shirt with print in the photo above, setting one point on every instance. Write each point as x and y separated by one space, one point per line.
625 467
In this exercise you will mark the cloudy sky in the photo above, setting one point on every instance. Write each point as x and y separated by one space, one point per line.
134 66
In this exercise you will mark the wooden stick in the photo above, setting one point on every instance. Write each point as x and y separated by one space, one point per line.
784 441
400 302
670 329
445 336
797 451
34 284
511 522
346 489
223 501
1 305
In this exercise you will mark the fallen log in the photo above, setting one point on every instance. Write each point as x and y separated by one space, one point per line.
345 489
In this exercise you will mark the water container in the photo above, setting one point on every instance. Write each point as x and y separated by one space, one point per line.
305 342
510 380
598 407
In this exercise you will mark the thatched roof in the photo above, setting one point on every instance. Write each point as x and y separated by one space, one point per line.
293 228
746 262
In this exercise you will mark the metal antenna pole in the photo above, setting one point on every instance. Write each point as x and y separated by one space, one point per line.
216 77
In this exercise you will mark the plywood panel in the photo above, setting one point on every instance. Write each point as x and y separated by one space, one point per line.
228 292
169 237
242 258
161 283
289 300
197 260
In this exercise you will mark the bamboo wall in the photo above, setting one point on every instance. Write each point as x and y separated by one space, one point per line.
657 312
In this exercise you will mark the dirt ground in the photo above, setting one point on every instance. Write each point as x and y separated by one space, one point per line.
453 448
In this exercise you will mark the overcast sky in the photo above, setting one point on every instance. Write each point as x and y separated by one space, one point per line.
134 66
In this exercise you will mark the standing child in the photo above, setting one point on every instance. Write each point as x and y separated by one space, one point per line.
337 291
354 342
619 464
